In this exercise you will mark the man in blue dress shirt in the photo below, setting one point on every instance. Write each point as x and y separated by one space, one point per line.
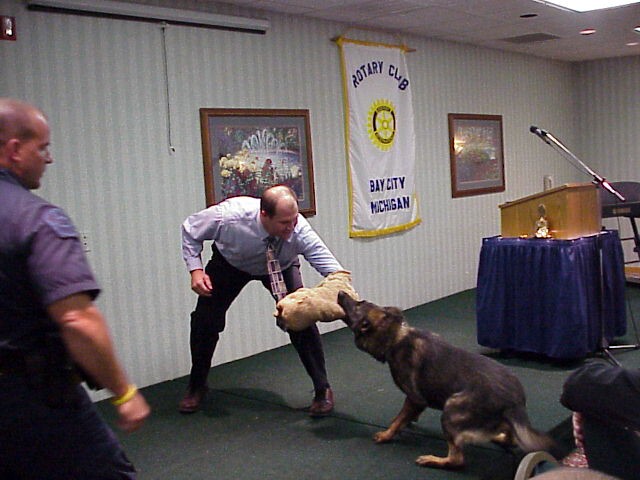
240 228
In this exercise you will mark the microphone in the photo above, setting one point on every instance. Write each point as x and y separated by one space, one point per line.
538 131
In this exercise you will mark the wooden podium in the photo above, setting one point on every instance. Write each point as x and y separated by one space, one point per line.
571 210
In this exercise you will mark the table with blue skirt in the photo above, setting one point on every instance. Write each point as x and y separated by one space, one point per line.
543 295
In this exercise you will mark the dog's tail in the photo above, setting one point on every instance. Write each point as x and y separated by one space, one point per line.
528 438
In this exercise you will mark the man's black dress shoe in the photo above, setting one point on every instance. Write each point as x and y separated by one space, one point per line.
192 400
322 404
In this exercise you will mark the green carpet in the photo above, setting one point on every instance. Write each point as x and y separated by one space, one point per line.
253 425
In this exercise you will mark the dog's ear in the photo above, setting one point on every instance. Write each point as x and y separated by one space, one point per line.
395 313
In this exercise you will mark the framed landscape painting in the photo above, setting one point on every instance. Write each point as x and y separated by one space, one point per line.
476 154
249 150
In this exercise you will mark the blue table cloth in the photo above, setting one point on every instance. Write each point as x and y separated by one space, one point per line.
543 296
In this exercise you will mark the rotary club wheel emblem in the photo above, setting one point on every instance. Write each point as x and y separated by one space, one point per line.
381 124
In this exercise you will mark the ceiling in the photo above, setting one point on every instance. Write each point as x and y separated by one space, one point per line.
552 33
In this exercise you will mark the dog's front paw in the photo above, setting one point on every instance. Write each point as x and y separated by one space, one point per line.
382 437
438 462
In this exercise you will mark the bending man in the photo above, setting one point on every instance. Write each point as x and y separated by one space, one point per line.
241 228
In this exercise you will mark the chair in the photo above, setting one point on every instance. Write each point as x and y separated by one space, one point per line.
534 463
542 466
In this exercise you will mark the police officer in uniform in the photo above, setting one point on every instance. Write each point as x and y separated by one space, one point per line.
51 332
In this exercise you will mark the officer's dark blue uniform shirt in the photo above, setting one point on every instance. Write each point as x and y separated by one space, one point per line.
41 262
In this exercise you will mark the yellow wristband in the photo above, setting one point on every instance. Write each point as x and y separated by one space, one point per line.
128 395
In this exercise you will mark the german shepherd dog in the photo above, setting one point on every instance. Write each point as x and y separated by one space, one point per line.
480 399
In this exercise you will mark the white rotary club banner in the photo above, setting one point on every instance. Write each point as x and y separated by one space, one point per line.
380 138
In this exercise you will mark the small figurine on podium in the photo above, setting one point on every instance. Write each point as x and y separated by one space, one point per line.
542 224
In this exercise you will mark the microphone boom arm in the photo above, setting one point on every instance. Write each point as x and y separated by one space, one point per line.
564 151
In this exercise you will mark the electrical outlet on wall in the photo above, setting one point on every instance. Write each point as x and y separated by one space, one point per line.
84 239
7 28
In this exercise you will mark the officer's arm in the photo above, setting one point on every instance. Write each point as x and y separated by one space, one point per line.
88 341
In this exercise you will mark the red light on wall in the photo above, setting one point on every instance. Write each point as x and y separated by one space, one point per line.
7 28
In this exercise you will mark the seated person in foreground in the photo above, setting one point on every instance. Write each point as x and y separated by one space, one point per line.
608 398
